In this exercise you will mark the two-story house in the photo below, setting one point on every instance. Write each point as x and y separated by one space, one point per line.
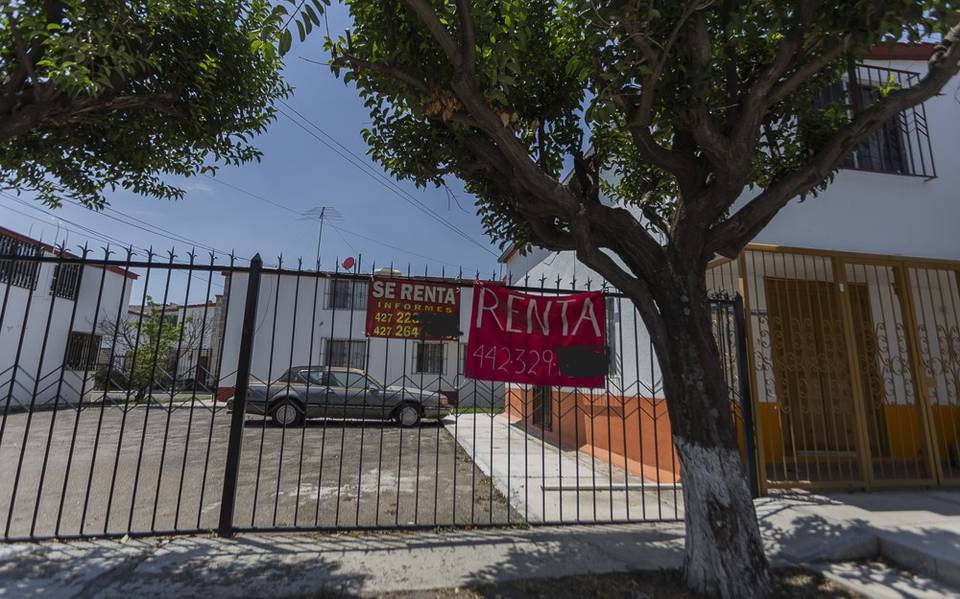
853 307
51 315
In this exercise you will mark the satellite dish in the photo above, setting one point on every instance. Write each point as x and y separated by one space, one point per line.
348 262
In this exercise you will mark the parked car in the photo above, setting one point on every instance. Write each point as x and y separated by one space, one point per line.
318 392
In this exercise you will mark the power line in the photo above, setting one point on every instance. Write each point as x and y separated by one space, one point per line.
92 232
255 196
383 180
337 228
160 231
399 249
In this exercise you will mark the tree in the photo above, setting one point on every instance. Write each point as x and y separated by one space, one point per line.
150 348
117 93
668 112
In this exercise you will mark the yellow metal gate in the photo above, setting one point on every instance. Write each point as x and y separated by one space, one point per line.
855 361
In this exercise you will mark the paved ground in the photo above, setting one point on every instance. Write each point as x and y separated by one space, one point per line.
154 469
548 484
364 564
917 530
278 565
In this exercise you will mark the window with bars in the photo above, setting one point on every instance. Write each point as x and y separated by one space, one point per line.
346 353
901 146
19 273
83 349
346 294
429 358
66 281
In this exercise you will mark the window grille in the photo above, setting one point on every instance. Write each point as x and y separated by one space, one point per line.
901 146
19 273
66 281
82 351
346 353
429 358
346 294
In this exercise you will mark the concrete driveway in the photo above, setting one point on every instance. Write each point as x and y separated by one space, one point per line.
551 485
142 469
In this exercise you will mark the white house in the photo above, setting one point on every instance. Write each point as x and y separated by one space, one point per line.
320 319
50 322
854 317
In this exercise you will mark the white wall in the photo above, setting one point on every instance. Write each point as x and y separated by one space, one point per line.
286 318
35 333
883 213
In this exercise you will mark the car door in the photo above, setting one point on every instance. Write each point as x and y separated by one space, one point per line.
356 393
326 395
379 403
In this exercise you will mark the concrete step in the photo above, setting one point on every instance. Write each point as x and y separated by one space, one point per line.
880 580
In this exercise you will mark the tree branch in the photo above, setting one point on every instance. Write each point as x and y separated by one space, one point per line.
730 236
439 33
65 111
469 43
387 70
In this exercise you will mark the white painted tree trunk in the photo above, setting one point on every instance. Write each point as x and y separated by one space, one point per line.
724 556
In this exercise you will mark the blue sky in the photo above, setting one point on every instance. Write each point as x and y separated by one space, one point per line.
297 172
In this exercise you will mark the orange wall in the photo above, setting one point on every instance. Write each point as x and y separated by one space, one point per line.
629 431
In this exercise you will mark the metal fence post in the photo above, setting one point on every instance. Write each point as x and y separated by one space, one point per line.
746 406
232 469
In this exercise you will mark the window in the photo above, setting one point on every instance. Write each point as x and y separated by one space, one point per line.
901 145
317 376
350 380
345 353
66 281
462 359
82 351
429 358
19 273
883 150
347 294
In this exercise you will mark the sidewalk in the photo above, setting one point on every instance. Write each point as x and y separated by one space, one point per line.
283 565
918 529
548 484
922 527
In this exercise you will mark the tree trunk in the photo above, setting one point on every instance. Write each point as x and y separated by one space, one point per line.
724 552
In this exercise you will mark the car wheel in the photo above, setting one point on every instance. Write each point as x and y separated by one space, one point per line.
408 416
286 413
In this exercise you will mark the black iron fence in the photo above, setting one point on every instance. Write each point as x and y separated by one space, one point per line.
173 395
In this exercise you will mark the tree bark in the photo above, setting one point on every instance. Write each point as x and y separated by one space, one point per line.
724 553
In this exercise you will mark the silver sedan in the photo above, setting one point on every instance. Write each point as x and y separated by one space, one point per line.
311 392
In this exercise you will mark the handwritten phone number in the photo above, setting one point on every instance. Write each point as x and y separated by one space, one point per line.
515 360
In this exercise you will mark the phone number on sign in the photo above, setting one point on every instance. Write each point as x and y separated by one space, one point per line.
411 331
515 360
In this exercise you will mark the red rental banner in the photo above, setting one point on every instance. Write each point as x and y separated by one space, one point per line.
517 337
